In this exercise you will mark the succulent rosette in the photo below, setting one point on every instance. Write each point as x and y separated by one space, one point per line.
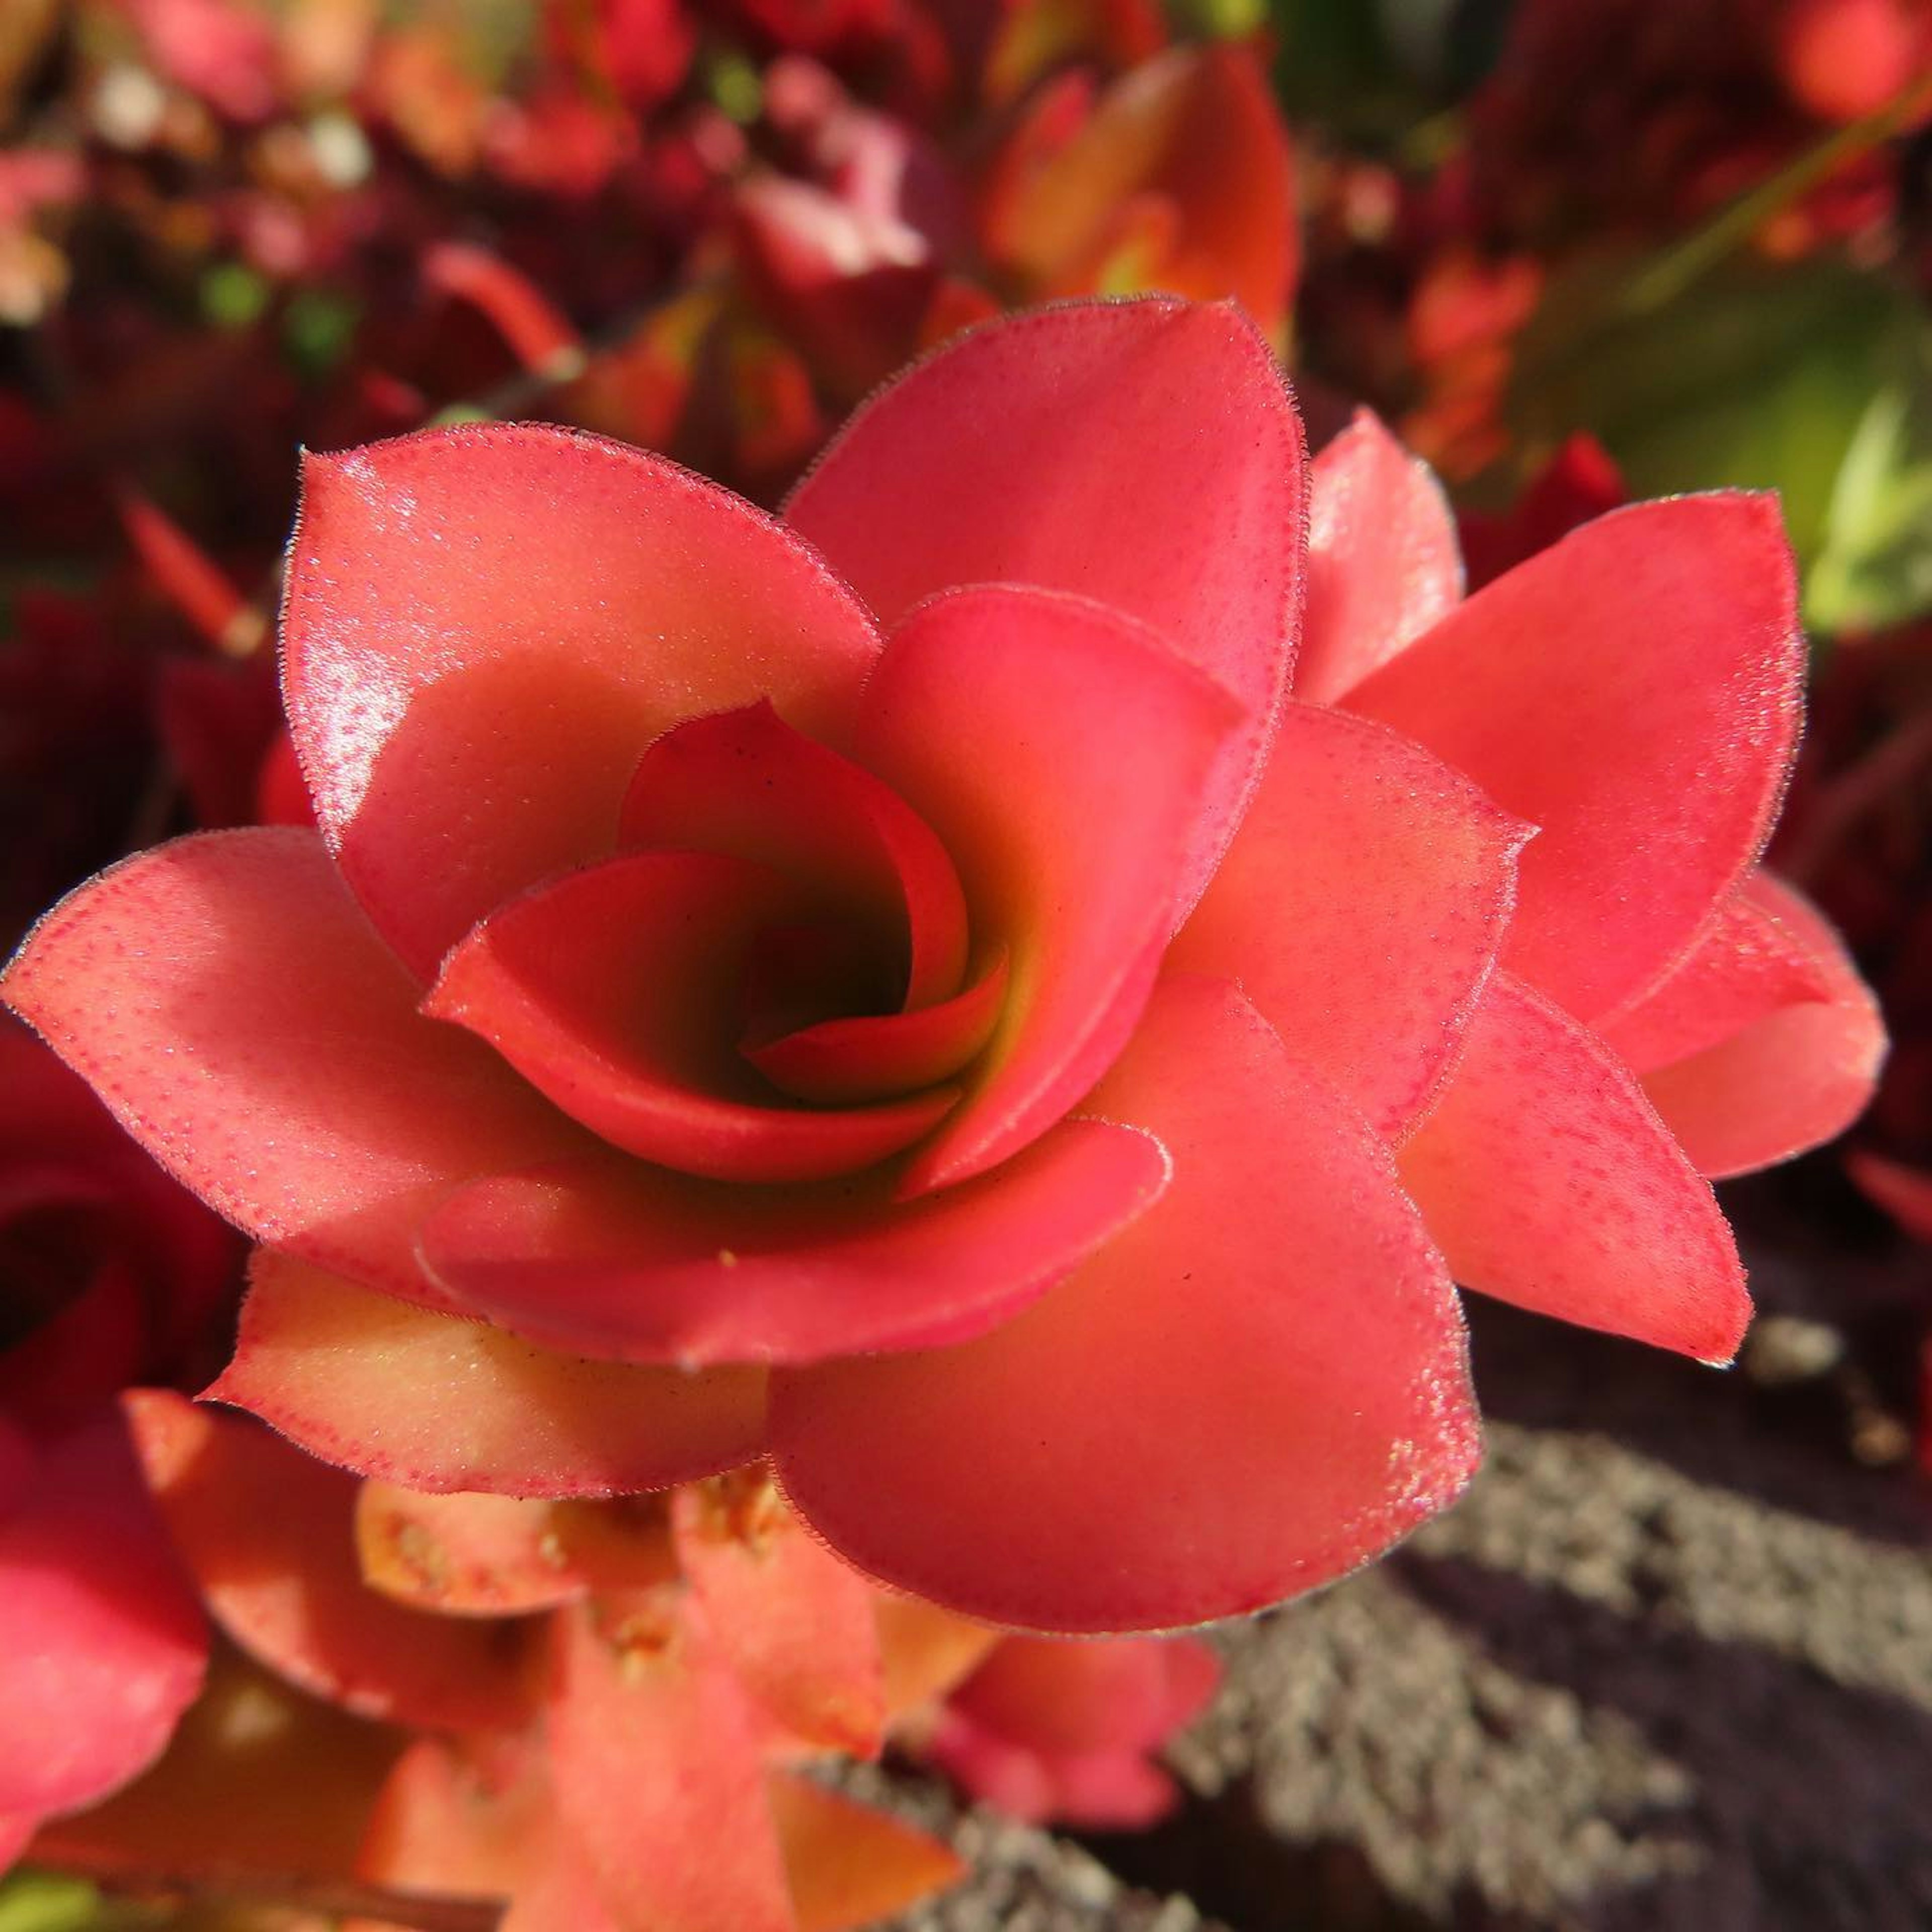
1046 1730
111 1274
936 991
423 1699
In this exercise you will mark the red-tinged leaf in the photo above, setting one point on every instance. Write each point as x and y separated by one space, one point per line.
1023 43
745 783
1260 1384
1360 907
646 1705
795 1623
623 1261
485 627
435 1403
81 1355
1787 1076
468 1554
848 1866
160 1248
1634 691
1175 131
259 1780
227 999
102 1643
270 1535
536 331
188 577
1059 751
1548 1181
616 991
1383 564
1143 453
1904 1193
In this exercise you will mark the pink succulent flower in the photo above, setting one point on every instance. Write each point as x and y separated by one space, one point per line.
936 992
1047 1729
112 1274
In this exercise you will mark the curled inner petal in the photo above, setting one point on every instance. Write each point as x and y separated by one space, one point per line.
1061 750
871 1056
617 991
744 783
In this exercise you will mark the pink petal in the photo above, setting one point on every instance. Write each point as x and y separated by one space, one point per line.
228 1001
435 1403
1747 965
839 1061
646 1705
746 784
633 1264
102 1642
615 990
1634 691
992 1770
485 626
1060 752
1787 1076
1383 564
1360 907
795 1623
1548 1181
1059 1697
1111 1791
1259 1385
269 1534
1145 453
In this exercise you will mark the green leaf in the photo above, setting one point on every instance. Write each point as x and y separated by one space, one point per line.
1875 567
232 295
45 1902
319 330
1756 376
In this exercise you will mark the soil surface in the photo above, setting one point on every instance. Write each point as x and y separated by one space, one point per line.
1666 1668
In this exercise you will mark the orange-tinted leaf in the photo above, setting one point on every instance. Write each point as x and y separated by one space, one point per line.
795 1623
645 1705
259 1779
465 1553
848 1865
270 1535
926 1651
